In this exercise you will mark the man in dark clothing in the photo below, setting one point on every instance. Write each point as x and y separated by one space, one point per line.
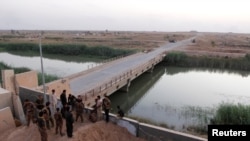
63 97
69 122
63 110
71 101
39 102
120 112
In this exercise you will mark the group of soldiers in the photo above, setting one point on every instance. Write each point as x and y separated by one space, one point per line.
102 105
41 113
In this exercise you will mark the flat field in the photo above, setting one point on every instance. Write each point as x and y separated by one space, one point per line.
209 44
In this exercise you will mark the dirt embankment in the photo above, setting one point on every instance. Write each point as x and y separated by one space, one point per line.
86 131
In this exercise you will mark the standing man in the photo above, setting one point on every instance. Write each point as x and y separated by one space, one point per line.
29 108
71 101
42 127
106 106
79 109
69 122
50 119
39 102
54 100
59 121
63 98
99 107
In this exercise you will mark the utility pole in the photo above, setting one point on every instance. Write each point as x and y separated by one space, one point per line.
41 56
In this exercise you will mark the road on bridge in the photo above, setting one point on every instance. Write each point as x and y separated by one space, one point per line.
84 83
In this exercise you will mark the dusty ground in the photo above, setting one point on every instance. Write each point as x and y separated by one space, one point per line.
209 44
87 131
219 45
116 39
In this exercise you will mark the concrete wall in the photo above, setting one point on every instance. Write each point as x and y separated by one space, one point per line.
26 79
6 99
8 80
31 94
154 133
151 132
6 119
58 85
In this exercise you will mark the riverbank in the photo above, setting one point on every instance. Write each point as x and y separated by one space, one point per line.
182 59
215 45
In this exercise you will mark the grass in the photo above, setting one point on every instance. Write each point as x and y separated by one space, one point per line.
182 60
229 113
67 49
225 113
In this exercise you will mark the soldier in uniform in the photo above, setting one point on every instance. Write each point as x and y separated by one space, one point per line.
59 121
42 127
106 107
79 109
46 117
51 121
39 101
99 107
29 108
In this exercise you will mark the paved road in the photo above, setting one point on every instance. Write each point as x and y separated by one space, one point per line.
87 82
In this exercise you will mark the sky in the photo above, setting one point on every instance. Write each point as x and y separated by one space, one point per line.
126 15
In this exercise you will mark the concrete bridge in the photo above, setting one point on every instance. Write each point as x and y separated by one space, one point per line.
118 74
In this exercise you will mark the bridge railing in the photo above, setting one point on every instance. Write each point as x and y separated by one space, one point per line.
102 87
92 67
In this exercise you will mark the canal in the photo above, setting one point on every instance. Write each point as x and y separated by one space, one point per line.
171 96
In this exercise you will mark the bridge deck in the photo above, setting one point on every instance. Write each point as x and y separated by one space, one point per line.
82 84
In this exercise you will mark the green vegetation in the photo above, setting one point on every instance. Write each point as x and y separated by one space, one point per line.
48 78
182 60
201 117
67 49
228 113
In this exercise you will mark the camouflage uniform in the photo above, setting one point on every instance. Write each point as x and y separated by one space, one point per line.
42 128
46 117
106 107
29 111
59 122
79 110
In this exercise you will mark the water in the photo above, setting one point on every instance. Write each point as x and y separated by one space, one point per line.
51 66
176 97
182 97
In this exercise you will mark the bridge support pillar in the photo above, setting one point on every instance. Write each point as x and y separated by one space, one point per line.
126 87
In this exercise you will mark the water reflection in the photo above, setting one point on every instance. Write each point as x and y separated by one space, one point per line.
182 97
176 70
128 100
51 66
